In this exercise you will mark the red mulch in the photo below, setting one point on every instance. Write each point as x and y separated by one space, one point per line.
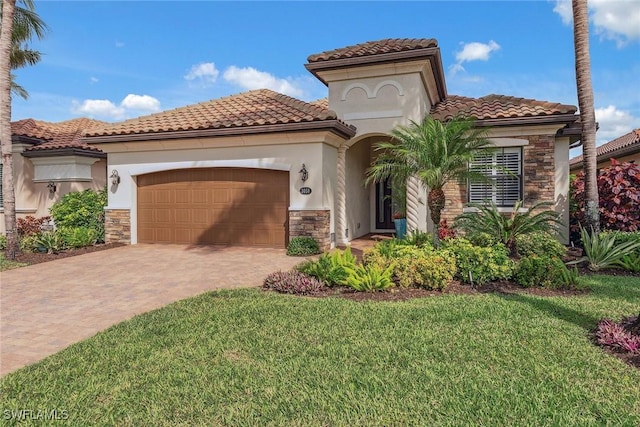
38 257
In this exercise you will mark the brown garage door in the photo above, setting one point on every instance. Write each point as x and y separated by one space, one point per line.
228 206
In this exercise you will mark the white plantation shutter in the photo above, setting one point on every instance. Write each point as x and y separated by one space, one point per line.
504 170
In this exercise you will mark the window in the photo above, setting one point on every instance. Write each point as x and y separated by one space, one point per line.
503 167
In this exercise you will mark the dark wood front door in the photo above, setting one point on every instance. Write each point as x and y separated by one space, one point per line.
384 215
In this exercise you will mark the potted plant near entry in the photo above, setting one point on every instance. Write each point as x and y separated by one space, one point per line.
399 203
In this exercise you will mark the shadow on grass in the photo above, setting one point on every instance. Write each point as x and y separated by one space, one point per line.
625 288
554 309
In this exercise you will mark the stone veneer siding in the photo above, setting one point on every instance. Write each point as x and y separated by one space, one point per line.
314 224
117 226
538 171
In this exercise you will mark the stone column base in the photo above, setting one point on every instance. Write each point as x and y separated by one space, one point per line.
314 224
117 226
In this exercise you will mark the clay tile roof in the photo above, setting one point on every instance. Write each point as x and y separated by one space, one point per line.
626 142
56 136
253 108
373 48
497 107
322 103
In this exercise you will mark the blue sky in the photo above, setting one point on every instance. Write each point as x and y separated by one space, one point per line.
114 60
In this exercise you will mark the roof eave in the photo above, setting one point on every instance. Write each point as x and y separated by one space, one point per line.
66 151
335 126
529 120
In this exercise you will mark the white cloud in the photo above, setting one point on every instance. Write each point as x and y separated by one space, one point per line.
93 80
616 20
474 51
614 123
130 106
205 73
250 78
140 102
119 44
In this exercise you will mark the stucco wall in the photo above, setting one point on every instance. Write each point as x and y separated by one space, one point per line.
358 159
317 157
34 198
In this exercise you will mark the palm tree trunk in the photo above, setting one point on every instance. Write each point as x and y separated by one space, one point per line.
8 193
436 200
587 113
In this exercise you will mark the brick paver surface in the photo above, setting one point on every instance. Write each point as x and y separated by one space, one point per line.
46 307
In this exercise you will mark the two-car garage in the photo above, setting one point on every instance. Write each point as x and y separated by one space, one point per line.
214 206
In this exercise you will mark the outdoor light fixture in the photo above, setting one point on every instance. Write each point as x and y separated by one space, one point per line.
115 178
52 187
304 175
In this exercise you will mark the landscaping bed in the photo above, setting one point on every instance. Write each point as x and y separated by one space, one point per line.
31 258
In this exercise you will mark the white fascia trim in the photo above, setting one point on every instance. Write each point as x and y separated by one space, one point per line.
308 208
244 163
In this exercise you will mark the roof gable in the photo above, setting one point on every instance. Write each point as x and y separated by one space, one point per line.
56 136
372 48
625 144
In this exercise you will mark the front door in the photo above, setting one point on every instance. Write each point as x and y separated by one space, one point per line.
384 218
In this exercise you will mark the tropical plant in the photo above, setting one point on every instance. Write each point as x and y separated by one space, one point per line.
541 271
368 278
78 237
619 196
587 111
540 243
31 225
601 250
616 336
81 209
303 246
433 152
630 262
506 229
51 241
330 267
418 238
292 282
479 265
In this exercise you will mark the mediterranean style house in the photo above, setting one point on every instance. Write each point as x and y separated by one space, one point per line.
625 148
259 168
49 161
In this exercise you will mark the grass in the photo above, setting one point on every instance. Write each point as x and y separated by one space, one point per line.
6 264
247 357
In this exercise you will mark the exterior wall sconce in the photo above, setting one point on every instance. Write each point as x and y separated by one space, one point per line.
304 174
52 187
115 177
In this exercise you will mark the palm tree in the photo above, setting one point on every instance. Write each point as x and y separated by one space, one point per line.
9 198
587 113
18 26
433 152
26 25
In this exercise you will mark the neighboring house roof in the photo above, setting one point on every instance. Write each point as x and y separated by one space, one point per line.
373 48
627 144
50 138
255 111
493 108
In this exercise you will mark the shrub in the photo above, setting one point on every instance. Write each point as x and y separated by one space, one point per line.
630 262
444 232
506 228
541 271
417 238
31 225
624 237
51 241
368 278
330 267
29 243
292 282
412 265
479 265
619 195
3 242
616 336
78 237
303 246
539 243
81 209
601 250
482 239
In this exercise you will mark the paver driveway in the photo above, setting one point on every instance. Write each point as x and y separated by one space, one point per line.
45 307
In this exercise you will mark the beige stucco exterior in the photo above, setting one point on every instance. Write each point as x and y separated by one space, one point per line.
34 197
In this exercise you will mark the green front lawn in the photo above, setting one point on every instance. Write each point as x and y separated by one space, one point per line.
6 264
249 357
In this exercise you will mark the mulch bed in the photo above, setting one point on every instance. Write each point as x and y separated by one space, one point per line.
455 288
38 257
